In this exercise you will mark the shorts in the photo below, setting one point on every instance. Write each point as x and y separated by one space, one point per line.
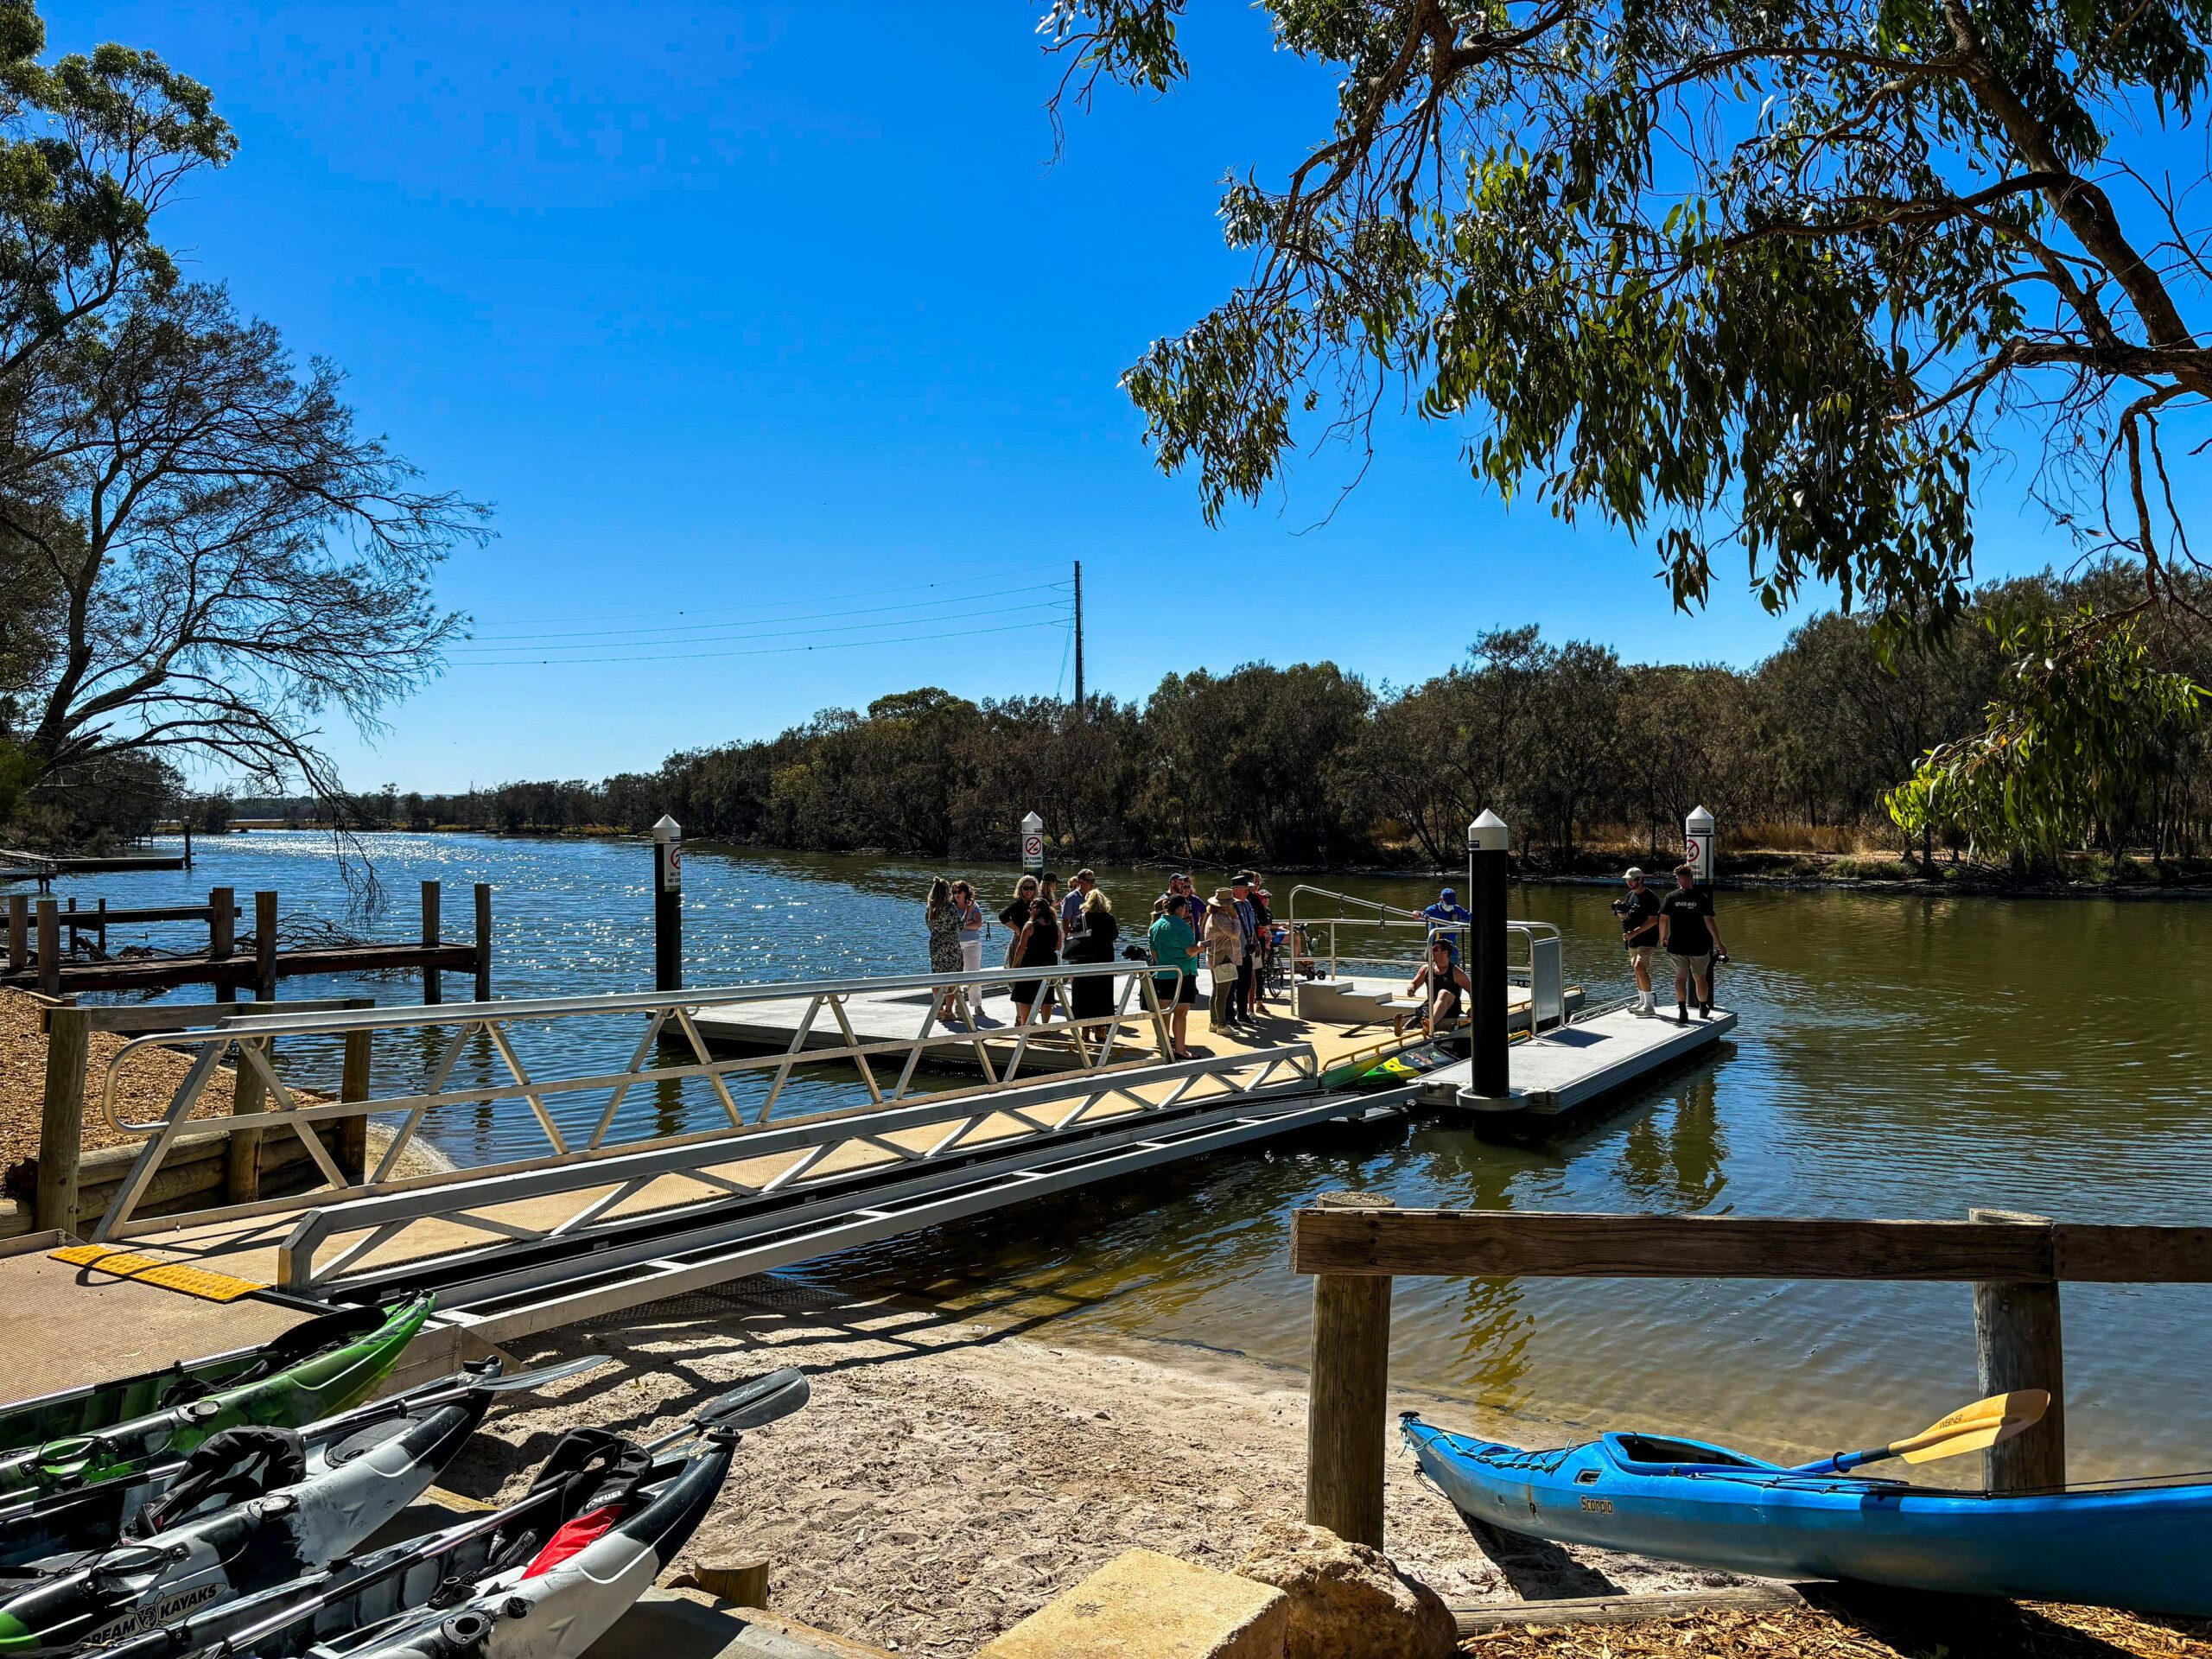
1188 991
1639 956
971 955
1701 965
1446 1007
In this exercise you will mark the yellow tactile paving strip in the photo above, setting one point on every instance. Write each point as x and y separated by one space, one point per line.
203 1282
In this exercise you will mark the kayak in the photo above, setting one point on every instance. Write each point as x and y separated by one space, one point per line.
227 1468
1407 1064
540 1579
306 1520
329 1367
2141 1547
97 1406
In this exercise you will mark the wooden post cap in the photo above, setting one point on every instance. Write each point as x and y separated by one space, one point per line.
1355 1201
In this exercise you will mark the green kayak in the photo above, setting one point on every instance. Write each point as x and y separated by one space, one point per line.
109 1429
1407 1064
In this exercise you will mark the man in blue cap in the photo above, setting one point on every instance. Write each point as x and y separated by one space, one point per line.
1446 920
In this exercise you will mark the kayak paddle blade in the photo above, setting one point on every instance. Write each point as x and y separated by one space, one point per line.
1970 1429
761 1401
544 1374
1977 1426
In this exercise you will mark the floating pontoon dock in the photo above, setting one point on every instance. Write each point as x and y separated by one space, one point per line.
1575 1065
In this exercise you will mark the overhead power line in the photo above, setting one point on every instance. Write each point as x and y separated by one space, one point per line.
769 631
938 636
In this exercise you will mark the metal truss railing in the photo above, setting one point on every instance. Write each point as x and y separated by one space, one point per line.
802 1170
1134 1032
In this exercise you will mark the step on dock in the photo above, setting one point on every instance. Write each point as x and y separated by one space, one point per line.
1571 1066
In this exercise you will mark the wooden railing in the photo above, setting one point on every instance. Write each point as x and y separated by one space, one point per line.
1354 1244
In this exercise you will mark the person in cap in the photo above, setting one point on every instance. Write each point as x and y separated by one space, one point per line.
1446 920
1690 934
1071 906
1638 911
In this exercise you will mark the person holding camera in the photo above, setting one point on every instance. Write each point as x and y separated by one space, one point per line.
1638 911
1690 933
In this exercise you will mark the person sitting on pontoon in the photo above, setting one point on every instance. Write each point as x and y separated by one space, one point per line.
1449 991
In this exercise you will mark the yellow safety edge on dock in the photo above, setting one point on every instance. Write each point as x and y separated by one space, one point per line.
202 1282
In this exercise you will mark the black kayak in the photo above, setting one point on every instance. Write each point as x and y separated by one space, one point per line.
540 1579
298 1520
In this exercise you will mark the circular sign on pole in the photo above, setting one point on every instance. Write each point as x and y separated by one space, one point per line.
672 872
1697 843
1033 841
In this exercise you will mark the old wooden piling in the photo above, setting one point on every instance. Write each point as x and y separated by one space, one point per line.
483 941
222 935
242 1156
1344 1426
19 932
2019 1344
264 946
62 1119
50 946
353 1084
432 991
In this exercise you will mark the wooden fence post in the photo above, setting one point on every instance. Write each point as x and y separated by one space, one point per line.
19 932
2019 1344
483 941
61 1124
1347 1397
242 1158
50 946
222 934
264 946
353 1084
432 991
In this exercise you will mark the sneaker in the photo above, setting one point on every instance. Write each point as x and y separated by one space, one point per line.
1643 1010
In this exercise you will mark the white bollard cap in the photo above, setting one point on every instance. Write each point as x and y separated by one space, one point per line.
1487 834
668 830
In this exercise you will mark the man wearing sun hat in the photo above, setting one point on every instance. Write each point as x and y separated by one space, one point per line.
1445 919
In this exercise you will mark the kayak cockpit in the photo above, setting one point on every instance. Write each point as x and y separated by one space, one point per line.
1656 1454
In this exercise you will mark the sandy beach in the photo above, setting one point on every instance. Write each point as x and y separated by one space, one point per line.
949 1478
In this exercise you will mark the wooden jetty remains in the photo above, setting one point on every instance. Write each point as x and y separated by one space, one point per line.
1353 1245
42 941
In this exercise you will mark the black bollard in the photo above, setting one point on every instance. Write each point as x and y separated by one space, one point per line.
668 904
1488 840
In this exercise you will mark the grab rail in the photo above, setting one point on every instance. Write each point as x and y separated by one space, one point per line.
1543 970
1134 1033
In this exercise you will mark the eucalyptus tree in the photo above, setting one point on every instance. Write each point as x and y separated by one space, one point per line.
232 557
1768 283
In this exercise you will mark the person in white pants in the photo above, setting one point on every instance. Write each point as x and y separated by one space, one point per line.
1639 916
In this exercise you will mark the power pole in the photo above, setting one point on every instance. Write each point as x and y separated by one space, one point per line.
1080 709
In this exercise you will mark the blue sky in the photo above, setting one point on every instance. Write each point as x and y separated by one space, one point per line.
748 319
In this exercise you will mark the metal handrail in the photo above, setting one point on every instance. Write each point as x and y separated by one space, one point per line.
1398 916
249 1040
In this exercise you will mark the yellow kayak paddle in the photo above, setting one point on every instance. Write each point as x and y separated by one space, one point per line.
1970 1429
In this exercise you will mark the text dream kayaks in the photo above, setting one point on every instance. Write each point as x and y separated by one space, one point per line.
542 1578
2142 1547
229 1467
324 1378
93 1597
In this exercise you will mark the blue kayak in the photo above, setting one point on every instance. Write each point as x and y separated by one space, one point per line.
2147 1548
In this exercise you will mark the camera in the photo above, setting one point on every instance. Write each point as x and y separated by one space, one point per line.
1620 907
1135 953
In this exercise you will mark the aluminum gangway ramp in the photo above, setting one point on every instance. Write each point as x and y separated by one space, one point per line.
617 1211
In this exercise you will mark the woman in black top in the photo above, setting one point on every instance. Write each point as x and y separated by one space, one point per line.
1091 998
1037 945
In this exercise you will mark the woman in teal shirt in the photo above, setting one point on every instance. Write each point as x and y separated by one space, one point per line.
1174 946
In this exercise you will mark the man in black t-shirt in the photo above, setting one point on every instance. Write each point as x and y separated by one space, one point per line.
1690 933
1639 914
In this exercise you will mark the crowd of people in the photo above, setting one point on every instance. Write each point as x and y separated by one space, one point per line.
1232 935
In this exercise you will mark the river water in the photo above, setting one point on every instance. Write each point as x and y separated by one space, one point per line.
1898 1056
